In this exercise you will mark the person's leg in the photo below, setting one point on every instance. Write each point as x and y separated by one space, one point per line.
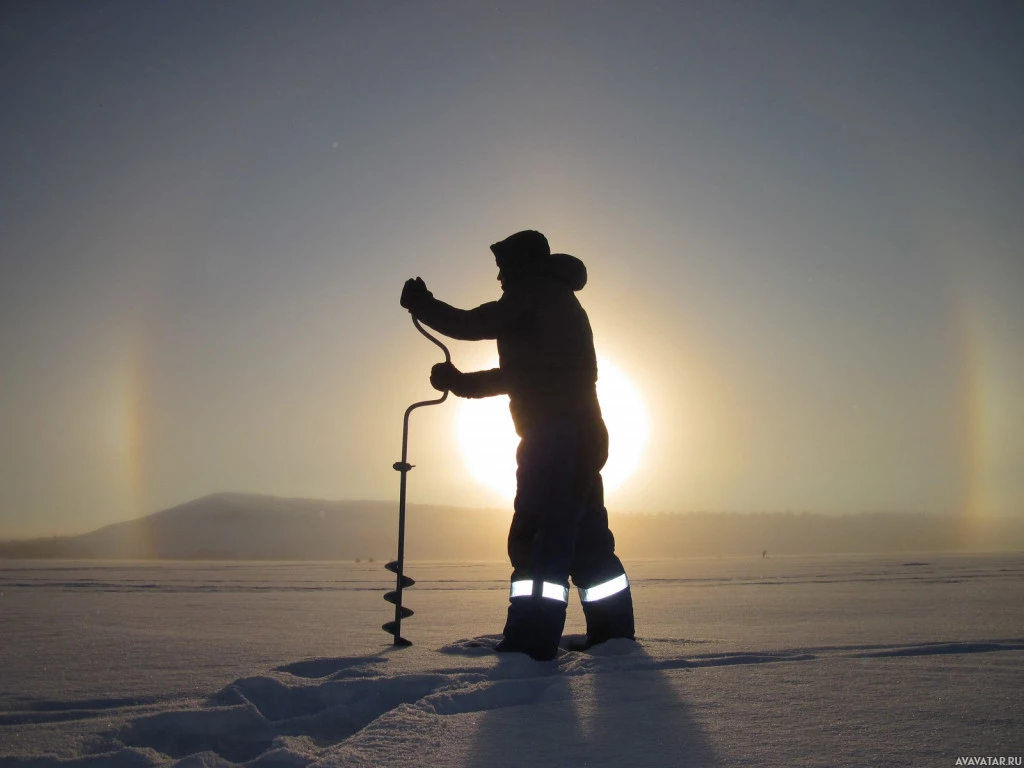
596 570
541 540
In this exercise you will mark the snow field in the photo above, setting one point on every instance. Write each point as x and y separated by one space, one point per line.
806 662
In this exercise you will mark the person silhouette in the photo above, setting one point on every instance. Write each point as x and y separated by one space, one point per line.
548 368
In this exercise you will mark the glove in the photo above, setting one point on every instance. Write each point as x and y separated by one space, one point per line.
444 377
414 292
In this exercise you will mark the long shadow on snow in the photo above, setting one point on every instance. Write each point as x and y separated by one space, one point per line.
609 707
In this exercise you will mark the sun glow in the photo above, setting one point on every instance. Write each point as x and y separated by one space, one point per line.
488 440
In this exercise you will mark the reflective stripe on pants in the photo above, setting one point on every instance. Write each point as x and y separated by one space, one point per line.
604 589
525 588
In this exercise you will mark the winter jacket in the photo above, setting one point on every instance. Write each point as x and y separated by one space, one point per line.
547 364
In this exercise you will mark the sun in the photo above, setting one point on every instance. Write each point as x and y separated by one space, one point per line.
488 440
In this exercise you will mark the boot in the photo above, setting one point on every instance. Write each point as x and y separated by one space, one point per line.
610 617
534 627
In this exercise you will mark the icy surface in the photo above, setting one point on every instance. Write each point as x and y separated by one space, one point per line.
913 660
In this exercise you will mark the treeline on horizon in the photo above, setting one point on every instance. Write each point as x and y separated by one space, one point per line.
239 527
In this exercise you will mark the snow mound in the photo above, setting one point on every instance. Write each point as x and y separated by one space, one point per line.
472 646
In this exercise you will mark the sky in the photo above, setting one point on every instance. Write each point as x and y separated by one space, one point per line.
801 221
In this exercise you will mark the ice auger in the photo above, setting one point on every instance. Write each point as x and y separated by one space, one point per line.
396 566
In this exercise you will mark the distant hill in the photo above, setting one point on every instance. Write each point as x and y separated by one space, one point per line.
237 526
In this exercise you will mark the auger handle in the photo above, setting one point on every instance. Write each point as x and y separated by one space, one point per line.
447 354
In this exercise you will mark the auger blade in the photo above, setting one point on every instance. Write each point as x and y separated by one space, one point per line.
405 580
392 566
392 629
392 597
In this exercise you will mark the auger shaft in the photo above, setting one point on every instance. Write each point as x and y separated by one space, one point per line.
404 467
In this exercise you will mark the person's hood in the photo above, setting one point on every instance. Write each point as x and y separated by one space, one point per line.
519 253
527 253
566 268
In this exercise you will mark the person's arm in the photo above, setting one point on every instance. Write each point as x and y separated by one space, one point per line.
484 322
482 384
445 376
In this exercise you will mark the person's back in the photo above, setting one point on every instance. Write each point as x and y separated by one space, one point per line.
547 356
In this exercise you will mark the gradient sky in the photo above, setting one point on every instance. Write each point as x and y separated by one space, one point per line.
802 223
